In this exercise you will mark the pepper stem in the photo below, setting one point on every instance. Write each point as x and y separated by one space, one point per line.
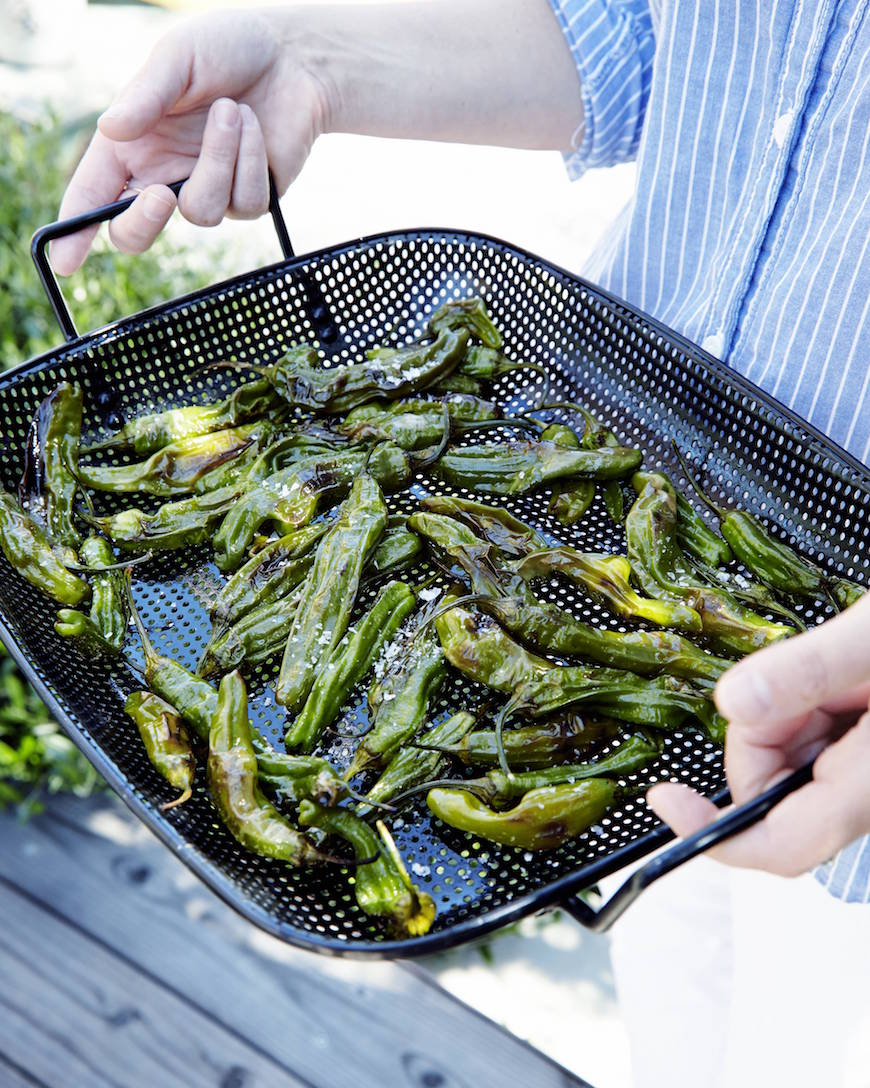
702 495
147 646
429 457
480 787
501 718
178 800
355 795
448 606
112 566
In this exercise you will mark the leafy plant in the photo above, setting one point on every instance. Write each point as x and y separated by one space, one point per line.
35 756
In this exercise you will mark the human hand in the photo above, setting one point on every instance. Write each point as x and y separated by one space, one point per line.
219 101
800 699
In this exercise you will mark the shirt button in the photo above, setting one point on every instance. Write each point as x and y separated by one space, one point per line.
781 126
714 344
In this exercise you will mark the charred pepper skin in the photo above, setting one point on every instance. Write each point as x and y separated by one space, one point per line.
508 534
570 501
176 468
693 533
303 382
106 626
544 819
382 887
149 433
349 663
28 551
413 765
661 569
530 746
497 788
48 485
606 577
297 778
546 627
329 591
399 700
513 468
232 781
166 742
291 496
414 423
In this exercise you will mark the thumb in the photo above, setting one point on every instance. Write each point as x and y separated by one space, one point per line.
153 91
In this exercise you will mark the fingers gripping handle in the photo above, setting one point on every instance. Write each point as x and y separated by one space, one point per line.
735 821
41 239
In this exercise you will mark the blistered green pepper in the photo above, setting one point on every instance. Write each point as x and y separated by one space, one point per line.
606 577
539 745
398 548
290 497
694 535
175 468
28 551
497 788
382 887
475 644
545 626
399 698
544 819
415 423
348 664
302 381
413 765
180 524
512 468
329 591
232 781
571 500
106 626
776 564
300 778
152 432
51 464
166 742
497 527
663 571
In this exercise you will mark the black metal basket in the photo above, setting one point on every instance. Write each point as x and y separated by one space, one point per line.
649 384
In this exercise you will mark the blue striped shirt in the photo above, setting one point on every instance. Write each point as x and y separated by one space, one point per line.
749 227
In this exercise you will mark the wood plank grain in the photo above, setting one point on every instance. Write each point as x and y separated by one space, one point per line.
335 1023
76 1014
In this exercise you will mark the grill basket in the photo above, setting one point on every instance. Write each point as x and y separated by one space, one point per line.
648 383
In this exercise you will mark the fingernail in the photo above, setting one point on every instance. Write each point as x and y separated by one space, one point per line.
226 113
744 694
155 206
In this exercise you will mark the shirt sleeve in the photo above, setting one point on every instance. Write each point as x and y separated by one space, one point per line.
847 876
612 44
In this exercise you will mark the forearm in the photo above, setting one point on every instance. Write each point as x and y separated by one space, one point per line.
469 71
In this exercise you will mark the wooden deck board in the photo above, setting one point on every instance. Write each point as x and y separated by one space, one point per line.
98 874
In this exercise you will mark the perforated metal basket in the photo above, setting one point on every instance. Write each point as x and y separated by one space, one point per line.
646 382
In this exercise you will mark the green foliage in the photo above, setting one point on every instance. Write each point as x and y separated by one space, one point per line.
34 756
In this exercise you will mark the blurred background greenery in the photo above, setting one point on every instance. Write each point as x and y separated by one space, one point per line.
34 756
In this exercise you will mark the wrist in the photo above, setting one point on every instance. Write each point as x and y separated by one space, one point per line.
312 46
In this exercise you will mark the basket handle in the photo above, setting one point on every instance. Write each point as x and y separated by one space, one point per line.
63 227
732 823
105 397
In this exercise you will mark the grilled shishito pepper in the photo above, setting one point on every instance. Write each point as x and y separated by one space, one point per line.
607 578
232 781
291 496
329 591
415 423
166 741
51 457
28 551
300 778
693 533
176 468
497 527
382 887
539 745
106 626
152 432
479 648
570 501
546 627
398 547
663 702
497 788
470 314
412 765
775 564
349 663
302 381
512 468
399 699
663 571
544 819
